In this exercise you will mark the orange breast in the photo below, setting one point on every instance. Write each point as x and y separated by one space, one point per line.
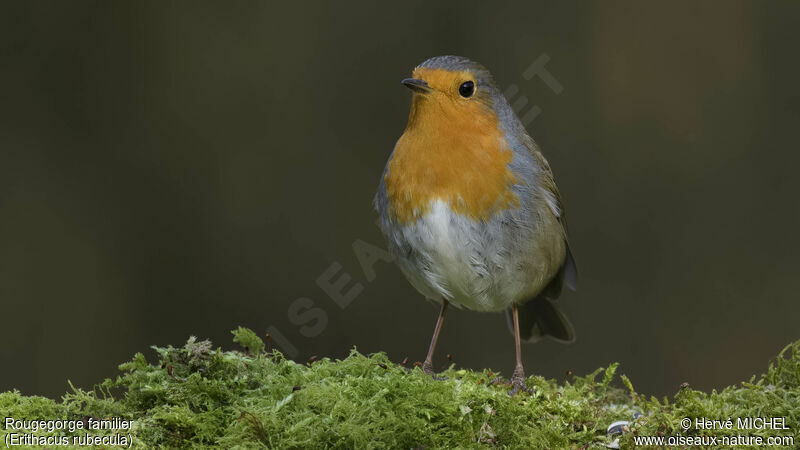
452 151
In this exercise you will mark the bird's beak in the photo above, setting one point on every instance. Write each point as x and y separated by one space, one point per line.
417 85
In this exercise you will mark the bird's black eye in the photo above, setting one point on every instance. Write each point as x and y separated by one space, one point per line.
466 89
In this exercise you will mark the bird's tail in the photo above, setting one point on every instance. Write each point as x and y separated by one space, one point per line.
541 317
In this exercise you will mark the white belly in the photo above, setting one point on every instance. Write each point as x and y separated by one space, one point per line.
470 263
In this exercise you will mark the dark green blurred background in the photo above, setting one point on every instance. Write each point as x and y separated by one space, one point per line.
175 169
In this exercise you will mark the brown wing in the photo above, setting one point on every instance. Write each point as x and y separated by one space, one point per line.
540 316
569 271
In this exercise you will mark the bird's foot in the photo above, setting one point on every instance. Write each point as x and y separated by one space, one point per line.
518 383
496 380
427 367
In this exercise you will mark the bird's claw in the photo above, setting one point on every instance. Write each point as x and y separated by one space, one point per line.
495 380
518 386
427 367
518 383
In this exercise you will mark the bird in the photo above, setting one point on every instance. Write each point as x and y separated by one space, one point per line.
470 209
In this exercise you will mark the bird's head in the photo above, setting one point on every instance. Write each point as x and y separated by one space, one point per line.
454 147
451 90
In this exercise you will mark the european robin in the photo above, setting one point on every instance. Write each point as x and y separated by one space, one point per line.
470 209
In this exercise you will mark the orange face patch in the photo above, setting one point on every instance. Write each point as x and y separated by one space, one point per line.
443 81
452 150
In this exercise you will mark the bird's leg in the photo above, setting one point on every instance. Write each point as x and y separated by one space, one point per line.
427 366
518 379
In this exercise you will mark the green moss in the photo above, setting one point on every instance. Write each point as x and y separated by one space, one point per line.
248 339
198 396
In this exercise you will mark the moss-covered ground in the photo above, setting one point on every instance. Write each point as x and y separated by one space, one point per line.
200 396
